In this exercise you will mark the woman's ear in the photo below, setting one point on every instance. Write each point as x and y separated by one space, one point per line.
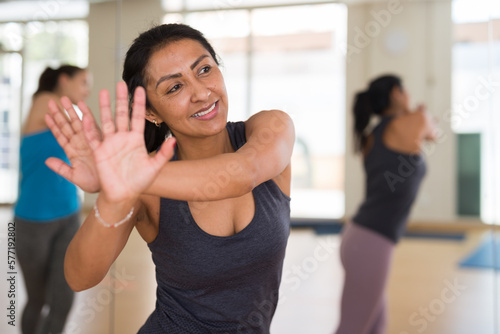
152 117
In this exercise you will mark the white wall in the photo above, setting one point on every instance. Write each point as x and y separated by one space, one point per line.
413 40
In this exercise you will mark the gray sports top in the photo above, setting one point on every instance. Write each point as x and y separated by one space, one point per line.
392 183
211 284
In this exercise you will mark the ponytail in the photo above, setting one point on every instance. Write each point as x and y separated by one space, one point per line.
362 115
47 81
50 77
374 101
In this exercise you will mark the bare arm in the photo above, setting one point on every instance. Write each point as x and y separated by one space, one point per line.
270 138
267 152
265 155
124 170
95 247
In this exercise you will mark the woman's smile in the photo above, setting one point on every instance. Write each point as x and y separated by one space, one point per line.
207 113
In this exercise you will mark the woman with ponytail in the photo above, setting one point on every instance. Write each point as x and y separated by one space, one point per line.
47 210
369 239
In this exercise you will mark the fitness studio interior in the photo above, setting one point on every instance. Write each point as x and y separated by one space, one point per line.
309 59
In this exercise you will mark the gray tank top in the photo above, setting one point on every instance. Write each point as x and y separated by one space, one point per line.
392 183
211 284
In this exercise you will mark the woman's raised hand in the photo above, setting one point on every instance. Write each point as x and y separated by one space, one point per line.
69 134
123 165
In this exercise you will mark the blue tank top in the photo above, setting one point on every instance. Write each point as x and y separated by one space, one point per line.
392 183
43 194
211 284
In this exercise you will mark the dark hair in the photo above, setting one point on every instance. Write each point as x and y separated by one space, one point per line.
50 77
136 61
372 102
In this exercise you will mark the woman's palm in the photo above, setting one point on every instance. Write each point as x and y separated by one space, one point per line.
114 161
124 167
70 135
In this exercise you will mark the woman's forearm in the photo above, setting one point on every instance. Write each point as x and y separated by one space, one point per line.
95 247
267 152
224 176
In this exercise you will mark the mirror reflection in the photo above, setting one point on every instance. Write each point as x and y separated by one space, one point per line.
309 59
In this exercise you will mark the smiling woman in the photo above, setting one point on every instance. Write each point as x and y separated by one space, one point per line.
216 217
192 86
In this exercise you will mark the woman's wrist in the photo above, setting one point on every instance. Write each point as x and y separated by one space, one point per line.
111 213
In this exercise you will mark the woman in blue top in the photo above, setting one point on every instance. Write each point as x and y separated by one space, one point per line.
47 210
216 218
394 168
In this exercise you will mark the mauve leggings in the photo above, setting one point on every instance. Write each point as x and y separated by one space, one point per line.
366 257
40 251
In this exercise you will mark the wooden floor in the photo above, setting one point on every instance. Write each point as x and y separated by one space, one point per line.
428 292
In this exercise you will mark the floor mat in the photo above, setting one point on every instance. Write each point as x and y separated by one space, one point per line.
486 255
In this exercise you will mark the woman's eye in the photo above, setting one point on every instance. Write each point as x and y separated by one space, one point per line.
205 69
173 89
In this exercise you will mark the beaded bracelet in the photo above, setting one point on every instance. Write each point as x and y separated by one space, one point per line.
98 216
